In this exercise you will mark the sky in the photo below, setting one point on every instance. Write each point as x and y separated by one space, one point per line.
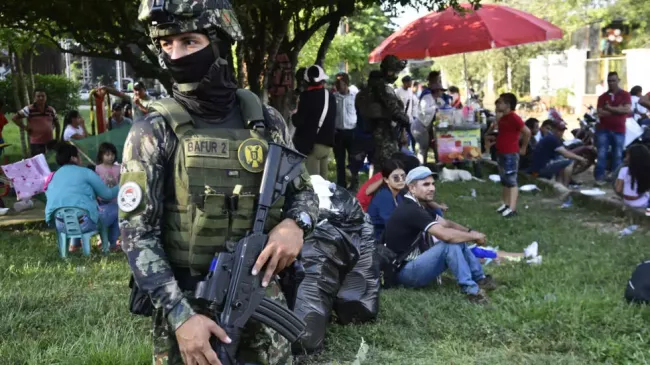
409 15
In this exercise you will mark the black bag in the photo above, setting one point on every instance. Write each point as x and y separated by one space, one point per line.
290 279
326 257
140 303
387 268
638 287
390 263
358 298
341 245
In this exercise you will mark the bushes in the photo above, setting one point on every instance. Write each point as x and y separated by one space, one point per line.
62 94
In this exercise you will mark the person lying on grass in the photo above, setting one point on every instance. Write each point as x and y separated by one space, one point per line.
444 246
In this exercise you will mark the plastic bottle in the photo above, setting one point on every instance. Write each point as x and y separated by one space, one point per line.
629 230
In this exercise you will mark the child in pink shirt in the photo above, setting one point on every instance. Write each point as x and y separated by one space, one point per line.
109 172
106 167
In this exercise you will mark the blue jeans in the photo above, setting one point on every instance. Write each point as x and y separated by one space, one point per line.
604 140
108 218
508 168
442 256
553 168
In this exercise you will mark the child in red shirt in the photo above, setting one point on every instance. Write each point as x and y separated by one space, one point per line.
508 151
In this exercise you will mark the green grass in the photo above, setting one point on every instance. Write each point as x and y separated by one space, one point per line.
11 134
569 310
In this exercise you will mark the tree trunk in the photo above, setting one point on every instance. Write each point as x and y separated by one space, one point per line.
330 33
13 61
241 71
32 84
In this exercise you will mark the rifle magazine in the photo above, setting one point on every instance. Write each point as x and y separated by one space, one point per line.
278 317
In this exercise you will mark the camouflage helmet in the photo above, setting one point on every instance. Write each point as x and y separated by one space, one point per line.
168 17
392 63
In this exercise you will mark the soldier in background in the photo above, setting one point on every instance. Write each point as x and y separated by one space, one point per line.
383 110
180 168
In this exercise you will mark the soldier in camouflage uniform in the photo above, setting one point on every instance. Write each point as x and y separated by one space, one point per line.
180 168
388 114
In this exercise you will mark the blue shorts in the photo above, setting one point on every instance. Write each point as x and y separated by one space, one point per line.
508 168
553 168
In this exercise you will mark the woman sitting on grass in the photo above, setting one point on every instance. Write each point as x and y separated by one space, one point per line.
385 201
375 182
75 186
633 181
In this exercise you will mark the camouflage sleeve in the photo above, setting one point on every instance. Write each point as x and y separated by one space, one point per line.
148 147
394 105
300 195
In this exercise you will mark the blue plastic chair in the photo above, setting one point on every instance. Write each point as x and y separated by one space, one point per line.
72 229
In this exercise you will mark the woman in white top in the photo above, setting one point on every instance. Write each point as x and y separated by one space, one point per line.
633 181
74 126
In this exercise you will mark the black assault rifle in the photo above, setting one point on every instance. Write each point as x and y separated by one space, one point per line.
230 287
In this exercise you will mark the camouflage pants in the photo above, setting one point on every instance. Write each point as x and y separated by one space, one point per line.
385 146
259 343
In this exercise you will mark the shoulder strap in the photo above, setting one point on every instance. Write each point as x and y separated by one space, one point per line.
250 106
176 116
173 112
326 106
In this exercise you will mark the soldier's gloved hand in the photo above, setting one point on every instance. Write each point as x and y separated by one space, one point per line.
193 338
285 243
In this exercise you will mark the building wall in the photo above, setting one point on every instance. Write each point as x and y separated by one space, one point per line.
549 73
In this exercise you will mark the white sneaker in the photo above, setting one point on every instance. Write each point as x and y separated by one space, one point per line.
531 250
536 261
502 208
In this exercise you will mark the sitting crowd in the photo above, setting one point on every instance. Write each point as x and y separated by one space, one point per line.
400 201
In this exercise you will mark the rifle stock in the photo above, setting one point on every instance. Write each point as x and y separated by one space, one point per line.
230 287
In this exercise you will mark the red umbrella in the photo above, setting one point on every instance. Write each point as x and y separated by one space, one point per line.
448 32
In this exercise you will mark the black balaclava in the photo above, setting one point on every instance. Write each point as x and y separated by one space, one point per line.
205 84
390 78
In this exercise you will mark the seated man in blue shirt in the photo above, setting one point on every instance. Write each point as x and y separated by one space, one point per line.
444 244
551 159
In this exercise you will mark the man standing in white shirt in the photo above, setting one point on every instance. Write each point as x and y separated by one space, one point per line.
405 93
346 121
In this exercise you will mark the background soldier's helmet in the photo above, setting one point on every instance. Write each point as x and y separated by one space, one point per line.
168 17
392 63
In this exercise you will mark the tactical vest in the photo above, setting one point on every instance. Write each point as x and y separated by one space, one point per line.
203 216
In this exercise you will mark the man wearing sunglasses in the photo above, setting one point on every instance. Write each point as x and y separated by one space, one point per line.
435 244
